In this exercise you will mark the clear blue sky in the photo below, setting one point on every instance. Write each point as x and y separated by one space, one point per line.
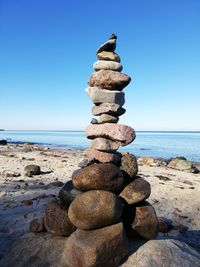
47 49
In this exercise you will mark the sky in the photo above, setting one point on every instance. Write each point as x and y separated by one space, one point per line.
47 49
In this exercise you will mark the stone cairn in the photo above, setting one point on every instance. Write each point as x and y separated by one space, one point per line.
104 203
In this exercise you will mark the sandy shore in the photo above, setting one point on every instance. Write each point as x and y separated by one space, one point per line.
175 194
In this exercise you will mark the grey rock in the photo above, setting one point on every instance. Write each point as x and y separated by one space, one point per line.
86 162
108 108
129 165
68 193
98 95
30 170
104 144
109 45
94 121
107 65
108 118
180 164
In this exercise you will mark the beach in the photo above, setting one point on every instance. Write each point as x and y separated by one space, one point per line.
174 193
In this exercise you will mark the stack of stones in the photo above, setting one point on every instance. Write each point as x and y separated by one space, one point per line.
105 202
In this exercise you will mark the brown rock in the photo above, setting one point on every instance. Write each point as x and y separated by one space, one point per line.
97 248
136 191
129 165
104 144
56 220
37 225
146 161
116 132
108 108
102 176
109 79
95 209
105 55
145 222
30 170
102 156
108 118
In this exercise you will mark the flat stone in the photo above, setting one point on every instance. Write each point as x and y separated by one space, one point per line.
95 209
165 253
104 144
30 170
129 165
108 118
107 65
109 45
68 193
116 132
145 222
102 156
98 96
108 108
97 248
105 55
56 220
136 191
102 176
109 79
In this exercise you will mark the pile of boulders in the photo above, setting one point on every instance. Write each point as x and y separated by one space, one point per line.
104 203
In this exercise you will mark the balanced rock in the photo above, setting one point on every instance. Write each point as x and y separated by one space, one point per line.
109 45
86 162
97 248
102 156
136 191
98 95
95 209
129 165
108 108
104 144
37 225
145 221
116 132
107 65
30 170
108 118
56 220
68 193
109 79
112 56
102 176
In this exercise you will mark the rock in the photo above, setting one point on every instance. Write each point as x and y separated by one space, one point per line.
136 191
98 96
86 162
30 170
68 193
164 225
56 220
104 55
146 161
104 144
95 209
145 222
116 132
102 156
97 248
109 79
107 65
27 202
108 108
108 118
109 45
6 173
129 165
94 121
165 253
102 176
3 142
41 250
37 225
180 164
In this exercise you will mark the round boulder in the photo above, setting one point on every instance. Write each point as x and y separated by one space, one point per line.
102 176
95 209
30 170
56 220
129 165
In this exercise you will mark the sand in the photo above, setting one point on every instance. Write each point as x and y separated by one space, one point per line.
175 194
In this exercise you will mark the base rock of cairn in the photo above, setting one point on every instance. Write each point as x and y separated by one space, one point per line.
105 203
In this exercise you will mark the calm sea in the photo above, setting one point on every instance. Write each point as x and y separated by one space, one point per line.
155 144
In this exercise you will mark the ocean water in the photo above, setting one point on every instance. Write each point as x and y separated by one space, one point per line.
155 144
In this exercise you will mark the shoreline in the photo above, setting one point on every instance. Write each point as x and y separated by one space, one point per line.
175 194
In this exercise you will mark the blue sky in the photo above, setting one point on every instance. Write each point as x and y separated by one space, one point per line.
47 50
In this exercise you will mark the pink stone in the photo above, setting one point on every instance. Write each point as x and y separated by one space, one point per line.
102 156
116 132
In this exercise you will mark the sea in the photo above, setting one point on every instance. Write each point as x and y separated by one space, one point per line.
147 143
